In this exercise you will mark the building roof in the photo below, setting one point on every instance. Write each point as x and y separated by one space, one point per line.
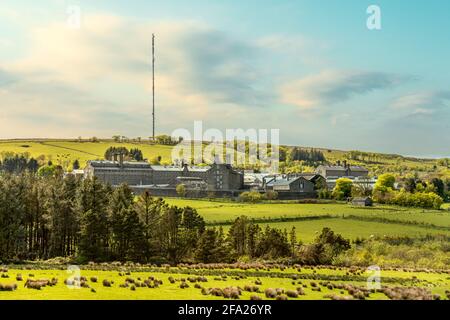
145 165
167 168
309 176
342 168
116 164
285 181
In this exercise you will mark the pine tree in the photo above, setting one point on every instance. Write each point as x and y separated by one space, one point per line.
92 207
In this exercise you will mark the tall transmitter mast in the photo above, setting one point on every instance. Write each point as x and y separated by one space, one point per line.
153 85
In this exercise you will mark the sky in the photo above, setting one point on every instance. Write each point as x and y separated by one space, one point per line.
312 69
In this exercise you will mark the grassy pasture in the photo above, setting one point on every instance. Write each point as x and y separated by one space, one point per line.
437 282
351 222
83 151
308 230
218 211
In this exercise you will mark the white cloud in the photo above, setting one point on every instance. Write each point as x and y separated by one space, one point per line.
331 87
82 77
426 102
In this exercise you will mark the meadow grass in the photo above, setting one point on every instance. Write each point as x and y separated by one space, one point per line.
221 211
438 283
308 230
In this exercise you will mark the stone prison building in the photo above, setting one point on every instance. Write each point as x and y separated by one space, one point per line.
162 180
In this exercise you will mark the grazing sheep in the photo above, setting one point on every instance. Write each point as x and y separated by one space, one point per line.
292 294
184 285
36 284
133 288
106 283
8 287
336 297
93 290
19 277
216 292
279 291
255 297
300 291
130 280
281 297
53 282
231 292
94 279
270 293
258 282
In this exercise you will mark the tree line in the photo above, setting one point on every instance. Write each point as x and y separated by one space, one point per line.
132 154
18 163
409 192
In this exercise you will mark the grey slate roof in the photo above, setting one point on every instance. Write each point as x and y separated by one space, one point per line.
342 168
284 181
112 164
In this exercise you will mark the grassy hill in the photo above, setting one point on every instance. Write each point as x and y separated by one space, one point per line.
61 151
65 151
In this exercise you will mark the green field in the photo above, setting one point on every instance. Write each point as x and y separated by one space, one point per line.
437 283
351 222
66 150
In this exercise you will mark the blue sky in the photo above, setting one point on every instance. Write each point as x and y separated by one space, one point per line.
311 69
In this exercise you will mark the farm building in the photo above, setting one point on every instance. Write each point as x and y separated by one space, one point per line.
341 171
290 184
363 202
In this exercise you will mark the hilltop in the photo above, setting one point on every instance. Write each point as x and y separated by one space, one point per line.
65 151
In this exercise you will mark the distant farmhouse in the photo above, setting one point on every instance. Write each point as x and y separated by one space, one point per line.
288 186
341 171
358 174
